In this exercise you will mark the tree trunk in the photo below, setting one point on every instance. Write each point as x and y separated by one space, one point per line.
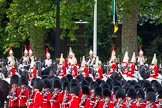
37 42
129 31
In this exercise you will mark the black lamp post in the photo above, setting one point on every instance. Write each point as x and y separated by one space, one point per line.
57 38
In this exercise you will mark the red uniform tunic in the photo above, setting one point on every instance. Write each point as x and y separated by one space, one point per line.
56 102
34 72
13 70
98 103
38 100
141 104
131 71
155 71
75 72
113 68
152 105
122 104
86 73
23 96
63 70
13 94
85 102
74 102
108 104
30 99
46 100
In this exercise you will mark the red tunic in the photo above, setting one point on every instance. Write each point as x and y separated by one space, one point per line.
74 102
23 96
86 73
13 102
56 102
131 72
109 105
152 106
100 74
13 70
155 71
38 100
98 104
34 73
46 100
122 105
75 72
113 68
30 99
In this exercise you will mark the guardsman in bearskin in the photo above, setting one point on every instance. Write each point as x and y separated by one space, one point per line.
125 63
66 94
120 99
98 101
131 66
159 104
93 86
30 99
98 70
154 67
57 95
24 92
83 69
38 98
107 99
75 100
48 60
13 95
11 61
46 93
25 58
85 101
131 98
141 103
112 63
150 100
62 67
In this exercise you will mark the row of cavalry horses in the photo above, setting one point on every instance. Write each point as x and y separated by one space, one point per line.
21 70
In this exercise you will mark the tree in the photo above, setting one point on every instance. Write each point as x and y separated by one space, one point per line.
32 19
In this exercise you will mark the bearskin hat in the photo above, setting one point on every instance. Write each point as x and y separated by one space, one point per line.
159 94
137 86
14 79
156 86
93 85
151 96
84 82
69 76
46 83
65 85
57 84
80 78
74 80
105 86
89 79
38 84
146 84
64 79
23 80
115 88
117 83
75 90
131 93
150 90
140 93
106 92
98 91
99 81
32 82
120 94
85 90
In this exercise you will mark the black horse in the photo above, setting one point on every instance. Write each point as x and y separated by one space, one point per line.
4 91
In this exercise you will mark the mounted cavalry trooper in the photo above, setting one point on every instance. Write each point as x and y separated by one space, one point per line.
112 66
154 75
48 60
25 58
141 59
97 69
68 60
125 63
31 57
90 61
83 70
62 67
11 61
